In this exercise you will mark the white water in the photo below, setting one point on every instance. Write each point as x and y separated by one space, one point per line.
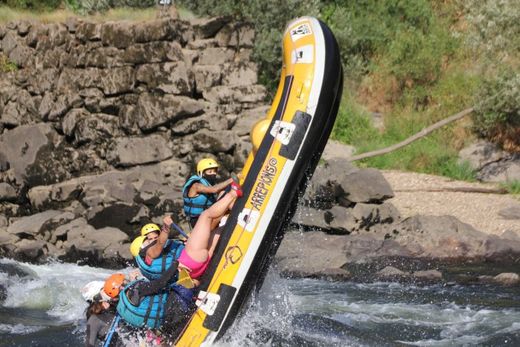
52 289
285 312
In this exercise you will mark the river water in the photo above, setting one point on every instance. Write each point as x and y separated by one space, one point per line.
41 306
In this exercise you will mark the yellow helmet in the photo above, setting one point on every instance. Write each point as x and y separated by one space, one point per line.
206 163
135 246
148 228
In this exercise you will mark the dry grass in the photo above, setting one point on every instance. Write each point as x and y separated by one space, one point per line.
9 14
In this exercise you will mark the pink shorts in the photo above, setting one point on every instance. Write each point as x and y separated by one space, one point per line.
196 268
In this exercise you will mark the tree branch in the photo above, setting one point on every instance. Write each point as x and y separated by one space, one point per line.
413 138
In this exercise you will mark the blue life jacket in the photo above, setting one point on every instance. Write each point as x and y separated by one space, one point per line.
193 207
151 309
149 313
171 252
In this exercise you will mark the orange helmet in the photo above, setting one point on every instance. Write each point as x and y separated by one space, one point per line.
113 285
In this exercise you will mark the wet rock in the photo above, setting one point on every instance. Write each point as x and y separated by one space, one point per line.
31 250
392 273
427 275
138 150
310 218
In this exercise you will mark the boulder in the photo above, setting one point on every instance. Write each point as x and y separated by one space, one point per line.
85 127
209 120
31 250
165 29
117 34
22 147
365 185
208 27
39 223
207 76
337 150
7 192
170 78
79 235
322 252
153 111
391 273
240 94
88 31
502 171
248 119
153 52
507 279
215 141
240 75
131 151
310 218
427 275
324 190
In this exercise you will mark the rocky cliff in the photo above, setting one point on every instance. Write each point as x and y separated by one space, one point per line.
101 123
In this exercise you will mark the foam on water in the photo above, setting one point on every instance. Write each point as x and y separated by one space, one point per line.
53 288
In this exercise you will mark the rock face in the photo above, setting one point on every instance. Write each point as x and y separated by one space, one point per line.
491 163
101 123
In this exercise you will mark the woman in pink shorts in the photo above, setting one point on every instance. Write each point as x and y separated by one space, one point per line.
201 243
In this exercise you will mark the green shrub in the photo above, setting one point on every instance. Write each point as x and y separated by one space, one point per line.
497 115
32 4
513 187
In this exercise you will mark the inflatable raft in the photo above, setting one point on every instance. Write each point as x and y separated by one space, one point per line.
287 145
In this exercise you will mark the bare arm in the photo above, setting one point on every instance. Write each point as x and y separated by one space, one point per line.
198 188
156 250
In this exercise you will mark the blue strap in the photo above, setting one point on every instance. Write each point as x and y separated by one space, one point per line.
112 329
178 228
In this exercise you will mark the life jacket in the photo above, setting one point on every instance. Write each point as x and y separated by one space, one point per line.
193 207
150 312
171 251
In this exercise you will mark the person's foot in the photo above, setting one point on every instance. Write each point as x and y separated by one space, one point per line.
235 186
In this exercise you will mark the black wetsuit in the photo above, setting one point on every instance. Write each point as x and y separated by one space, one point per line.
97 328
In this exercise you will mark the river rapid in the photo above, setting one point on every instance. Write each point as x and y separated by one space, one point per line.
40 305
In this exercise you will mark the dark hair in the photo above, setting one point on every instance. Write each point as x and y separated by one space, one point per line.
95 307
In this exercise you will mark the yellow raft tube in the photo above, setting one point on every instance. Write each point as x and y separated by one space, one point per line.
287 145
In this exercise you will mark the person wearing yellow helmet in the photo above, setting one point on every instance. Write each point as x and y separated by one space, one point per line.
162 303
154 254
200 190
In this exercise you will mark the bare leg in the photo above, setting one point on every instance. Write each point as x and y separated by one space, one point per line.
200 240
